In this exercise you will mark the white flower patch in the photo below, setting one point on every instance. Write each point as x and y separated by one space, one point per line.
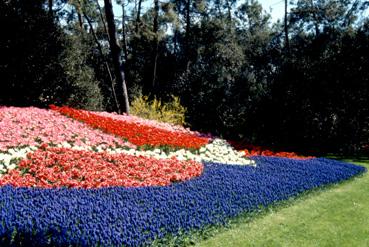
218 151
10 158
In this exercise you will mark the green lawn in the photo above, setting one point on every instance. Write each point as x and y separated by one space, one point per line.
335 216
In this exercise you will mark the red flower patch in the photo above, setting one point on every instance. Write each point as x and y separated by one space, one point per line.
291 155
135 133
251 150
62 167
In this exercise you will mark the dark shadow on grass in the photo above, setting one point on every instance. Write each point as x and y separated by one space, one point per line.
350 159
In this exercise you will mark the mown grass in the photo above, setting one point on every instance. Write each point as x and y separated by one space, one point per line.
337 215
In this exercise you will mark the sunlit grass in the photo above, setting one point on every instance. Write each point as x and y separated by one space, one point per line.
334 216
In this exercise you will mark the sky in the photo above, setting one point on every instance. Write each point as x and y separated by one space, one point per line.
274 7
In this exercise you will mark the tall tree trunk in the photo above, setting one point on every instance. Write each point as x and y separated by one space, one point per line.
102 18
80 19
106 65
125 51
316 22
287 42
138 17
115 51
156 41
175 41
78 6
188 20
50 5
229 9
187 35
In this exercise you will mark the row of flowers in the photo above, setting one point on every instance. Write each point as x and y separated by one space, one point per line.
148 122
51 167
252 150
218 151
30 126
266 152
135 133
23 130
117 216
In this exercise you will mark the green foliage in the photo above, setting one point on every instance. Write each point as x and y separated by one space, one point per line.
85 91
225 59
170 112
41 64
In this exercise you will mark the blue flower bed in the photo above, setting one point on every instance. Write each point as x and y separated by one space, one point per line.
136 216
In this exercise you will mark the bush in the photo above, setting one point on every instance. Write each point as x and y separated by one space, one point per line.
170 112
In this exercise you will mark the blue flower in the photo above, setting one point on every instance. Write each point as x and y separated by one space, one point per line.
136 216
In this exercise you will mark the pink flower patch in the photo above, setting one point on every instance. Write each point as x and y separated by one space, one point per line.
31 126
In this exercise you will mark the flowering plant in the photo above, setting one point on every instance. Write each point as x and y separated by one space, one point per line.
67 183
117 216
135 133
62 167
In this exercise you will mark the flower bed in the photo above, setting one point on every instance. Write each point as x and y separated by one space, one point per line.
252 150
137 134
23 130
64 182
217 151
30 126
148 122
62 167
265 152
118 216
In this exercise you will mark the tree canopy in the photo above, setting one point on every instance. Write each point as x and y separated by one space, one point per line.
299 83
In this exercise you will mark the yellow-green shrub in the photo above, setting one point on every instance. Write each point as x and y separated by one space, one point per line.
170 112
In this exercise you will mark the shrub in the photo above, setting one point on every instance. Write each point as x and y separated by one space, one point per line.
170 112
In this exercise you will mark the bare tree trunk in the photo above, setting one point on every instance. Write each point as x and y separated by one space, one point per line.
354 7
106 65
102 18
78 6
138 17
316 23
116 56
187 36
229 8
50 4
188 20
156 41
287 42
125 51
80 19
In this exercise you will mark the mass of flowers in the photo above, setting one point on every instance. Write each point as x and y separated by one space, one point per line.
252 150
32 126
71 177
136 133
62 167
217 150
116 216
148 122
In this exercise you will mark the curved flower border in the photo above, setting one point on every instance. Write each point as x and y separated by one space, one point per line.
137 216
138 134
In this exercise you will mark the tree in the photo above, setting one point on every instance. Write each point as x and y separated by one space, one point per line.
42 66
156 41
287 42
104 61
116 57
